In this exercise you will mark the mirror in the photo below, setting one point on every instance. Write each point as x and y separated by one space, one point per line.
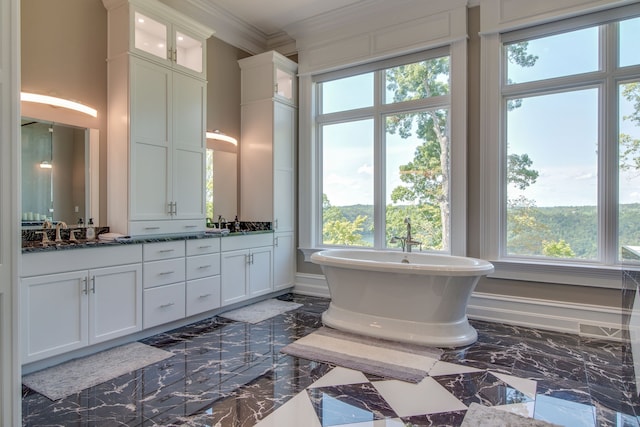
222 176
59 173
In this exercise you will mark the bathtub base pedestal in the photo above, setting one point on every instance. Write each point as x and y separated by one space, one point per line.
434 334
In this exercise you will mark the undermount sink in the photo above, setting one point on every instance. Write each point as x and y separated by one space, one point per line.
217 231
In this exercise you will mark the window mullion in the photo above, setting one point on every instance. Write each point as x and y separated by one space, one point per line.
379 167
559 84
608 146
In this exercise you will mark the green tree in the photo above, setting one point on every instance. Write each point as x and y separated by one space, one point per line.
426 179
558 249
337 229
630 147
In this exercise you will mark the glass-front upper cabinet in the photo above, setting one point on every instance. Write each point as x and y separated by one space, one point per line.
269 75
164 41
285 83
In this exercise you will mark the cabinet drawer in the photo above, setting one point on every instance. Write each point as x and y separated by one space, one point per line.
163 304
163 250
50 262
153 228
234 243
203 246
158 273
203 266
203 295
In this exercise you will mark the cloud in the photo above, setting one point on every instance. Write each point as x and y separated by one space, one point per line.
366 169
586 175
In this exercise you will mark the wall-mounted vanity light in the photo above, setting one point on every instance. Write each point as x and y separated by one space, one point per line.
216 134
58 102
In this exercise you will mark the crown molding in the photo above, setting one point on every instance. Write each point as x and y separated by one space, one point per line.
229 28
366 16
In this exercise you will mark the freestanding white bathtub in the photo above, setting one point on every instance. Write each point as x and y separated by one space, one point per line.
411 297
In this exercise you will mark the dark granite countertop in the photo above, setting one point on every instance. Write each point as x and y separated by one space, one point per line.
37 246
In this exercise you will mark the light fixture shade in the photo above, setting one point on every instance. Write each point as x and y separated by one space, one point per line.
58 102
216 134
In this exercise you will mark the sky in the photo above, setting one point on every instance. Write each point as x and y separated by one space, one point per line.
559 132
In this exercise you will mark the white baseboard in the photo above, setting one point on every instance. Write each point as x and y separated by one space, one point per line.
583 319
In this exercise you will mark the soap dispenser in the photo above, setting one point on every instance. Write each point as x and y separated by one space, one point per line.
236 224
91 231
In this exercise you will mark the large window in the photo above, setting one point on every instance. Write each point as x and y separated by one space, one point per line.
384 147
571 141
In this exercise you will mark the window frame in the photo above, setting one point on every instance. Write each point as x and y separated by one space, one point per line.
605 271
310 159
377 112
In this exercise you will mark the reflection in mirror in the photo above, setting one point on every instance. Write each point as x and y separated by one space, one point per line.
221 187
59 173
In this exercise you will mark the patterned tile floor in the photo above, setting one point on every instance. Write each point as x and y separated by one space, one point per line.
227 373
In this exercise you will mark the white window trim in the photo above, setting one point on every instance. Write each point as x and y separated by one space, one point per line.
310 159
606 275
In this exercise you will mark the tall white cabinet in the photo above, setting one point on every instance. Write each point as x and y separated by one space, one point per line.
267 153
156 119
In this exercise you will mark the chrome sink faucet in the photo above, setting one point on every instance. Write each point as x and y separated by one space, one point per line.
60 225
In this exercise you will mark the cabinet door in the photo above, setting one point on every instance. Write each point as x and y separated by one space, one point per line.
261 271
188 174
256 164
283 170
284 257
115 302
150 141
188 51
54 314
285 84
233 276
151 37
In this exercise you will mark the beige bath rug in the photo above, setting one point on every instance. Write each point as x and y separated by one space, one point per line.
263 310
485 416
76 375
405 362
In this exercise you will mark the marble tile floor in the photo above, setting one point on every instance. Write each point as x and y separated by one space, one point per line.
227 373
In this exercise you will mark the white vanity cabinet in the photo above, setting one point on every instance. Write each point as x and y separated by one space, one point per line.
247 267
156 120
74 298
268 135
203 275
164 273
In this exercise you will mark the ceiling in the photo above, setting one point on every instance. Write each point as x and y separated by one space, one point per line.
273 16
259 25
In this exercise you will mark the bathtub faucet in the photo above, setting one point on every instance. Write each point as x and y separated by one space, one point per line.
396 239
408 241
